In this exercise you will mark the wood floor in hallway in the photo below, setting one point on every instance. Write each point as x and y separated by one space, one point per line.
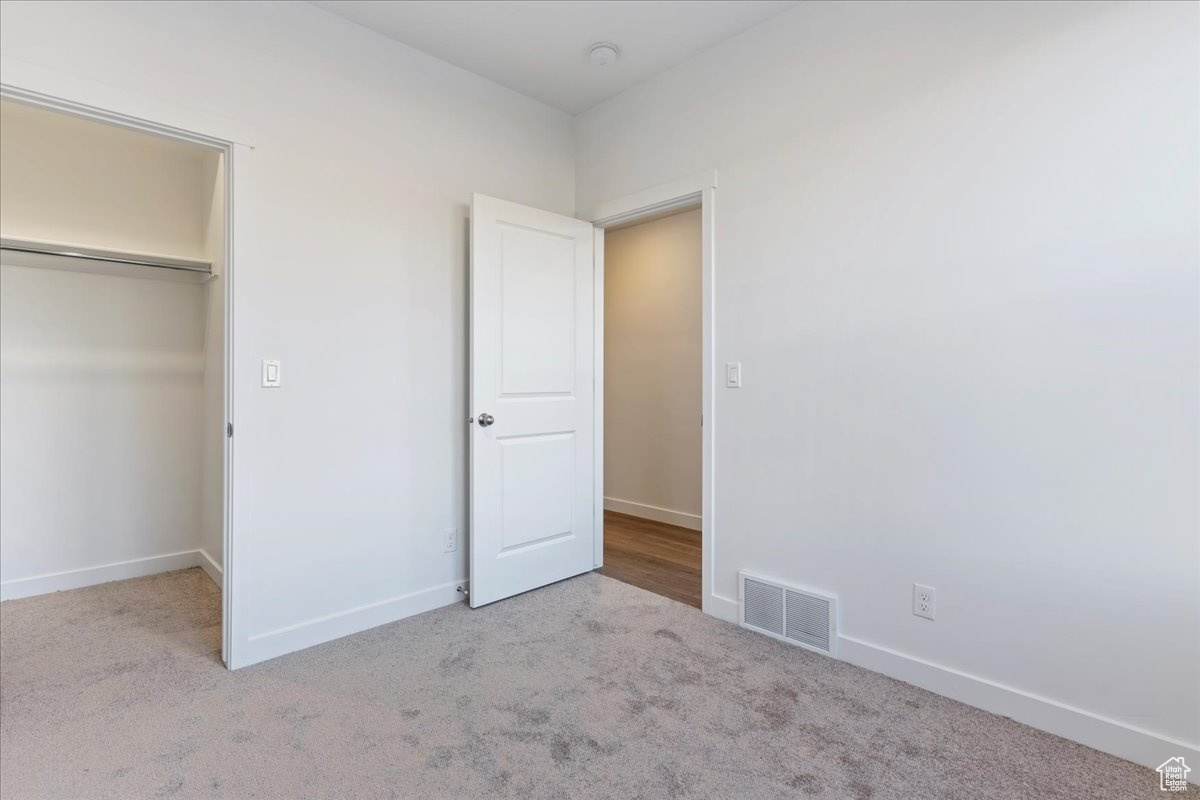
660 558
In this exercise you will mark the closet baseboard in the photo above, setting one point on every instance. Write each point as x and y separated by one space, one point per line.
211 568
105 573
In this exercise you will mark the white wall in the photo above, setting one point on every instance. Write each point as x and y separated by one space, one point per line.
956 253
99 418
652 360
76 181
365 157
100 376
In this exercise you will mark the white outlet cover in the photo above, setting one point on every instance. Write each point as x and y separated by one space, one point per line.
924 601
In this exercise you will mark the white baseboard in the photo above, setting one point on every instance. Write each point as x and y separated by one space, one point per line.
1101 733
1107 735
664 515
90 576
721 607
309 633
211 568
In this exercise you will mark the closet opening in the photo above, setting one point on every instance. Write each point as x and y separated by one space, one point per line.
113 396
653 373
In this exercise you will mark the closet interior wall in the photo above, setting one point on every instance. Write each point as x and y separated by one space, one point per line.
111 387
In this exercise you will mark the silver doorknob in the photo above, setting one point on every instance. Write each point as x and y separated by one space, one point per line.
485 420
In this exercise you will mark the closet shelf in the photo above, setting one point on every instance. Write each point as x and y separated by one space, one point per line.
76 258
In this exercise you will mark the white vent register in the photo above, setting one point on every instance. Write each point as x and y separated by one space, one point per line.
793 615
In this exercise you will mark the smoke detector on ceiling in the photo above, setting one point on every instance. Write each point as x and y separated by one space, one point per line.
603 53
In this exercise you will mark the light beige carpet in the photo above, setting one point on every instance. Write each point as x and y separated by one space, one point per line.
586 689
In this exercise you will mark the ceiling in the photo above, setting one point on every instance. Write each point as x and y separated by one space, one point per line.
540 48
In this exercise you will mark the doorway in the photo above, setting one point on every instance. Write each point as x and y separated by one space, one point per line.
653 360
684 194
116 260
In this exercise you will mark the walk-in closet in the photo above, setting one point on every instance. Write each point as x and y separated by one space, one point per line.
112 353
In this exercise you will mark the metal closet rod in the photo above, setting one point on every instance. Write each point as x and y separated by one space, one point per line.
110 256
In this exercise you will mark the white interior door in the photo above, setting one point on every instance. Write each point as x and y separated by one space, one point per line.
532 381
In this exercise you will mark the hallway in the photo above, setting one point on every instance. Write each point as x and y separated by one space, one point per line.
660 558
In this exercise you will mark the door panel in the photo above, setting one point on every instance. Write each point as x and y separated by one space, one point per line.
537 491
532 359
537 322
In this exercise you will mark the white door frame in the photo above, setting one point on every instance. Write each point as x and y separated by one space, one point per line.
652 202
35 85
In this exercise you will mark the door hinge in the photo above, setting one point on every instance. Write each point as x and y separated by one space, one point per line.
229 430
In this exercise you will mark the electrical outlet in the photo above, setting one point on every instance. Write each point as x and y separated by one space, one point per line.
451 539
924 601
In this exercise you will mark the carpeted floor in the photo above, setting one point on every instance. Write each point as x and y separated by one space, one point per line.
586 689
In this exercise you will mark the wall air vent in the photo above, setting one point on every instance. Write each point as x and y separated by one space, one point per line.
793 615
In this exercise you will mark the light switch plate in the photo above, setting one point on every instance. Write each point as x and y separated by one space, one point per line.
271 374
733 374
